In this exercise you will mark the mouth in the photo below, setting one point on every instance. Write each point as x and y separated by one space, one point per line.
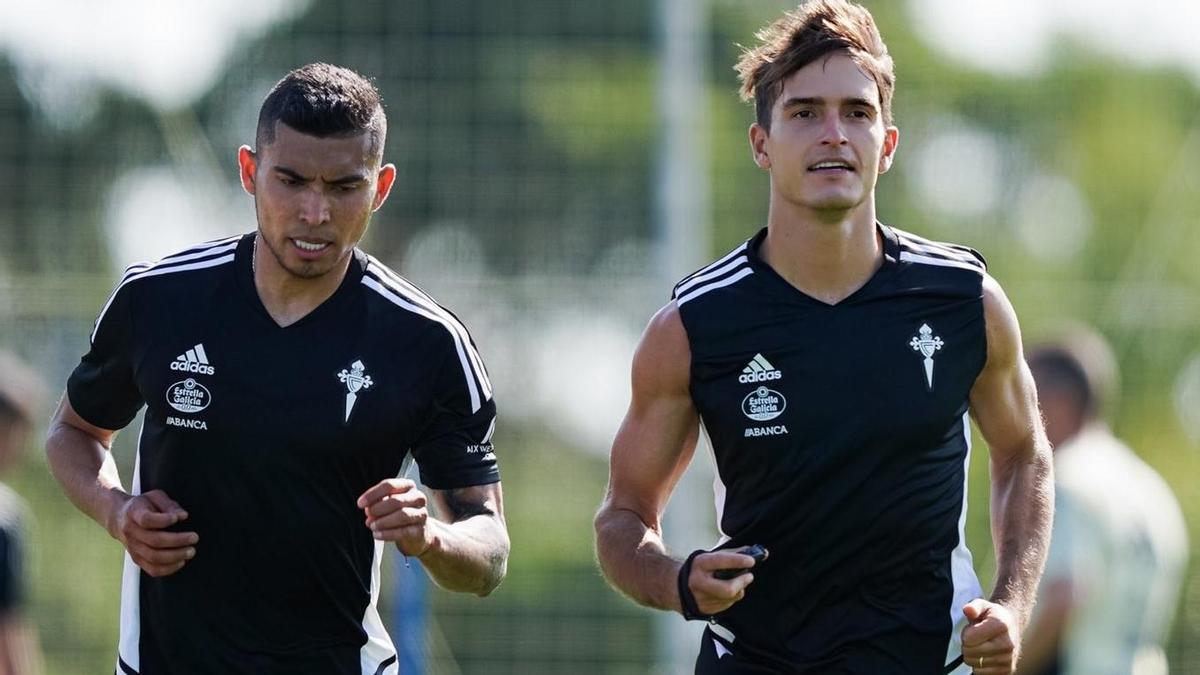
831 166
310 247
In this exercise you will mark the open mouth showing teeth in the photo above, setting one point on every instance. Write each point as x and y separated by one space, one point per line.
308 246
830 165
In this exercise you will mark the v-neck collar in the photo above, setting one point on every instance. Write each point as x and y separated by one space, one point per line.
243 261
891 256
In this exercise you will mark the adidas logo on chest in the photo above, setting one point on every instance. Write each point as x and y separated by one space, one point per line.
193 360
759 370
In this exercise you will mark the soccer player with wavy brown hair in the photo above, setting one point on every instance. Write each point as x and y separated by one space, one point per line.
833 362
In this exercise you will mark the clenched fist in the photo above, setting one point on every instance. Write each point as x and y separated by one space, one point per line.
397 511
140 523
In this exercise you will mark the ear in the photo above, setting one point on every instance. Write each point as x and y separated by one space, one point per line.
247 165
383 185
891 141
758 146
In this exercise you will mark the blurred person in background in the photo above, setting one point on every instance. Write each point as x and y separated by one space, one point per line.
1119 546
832 360
288 380
21 396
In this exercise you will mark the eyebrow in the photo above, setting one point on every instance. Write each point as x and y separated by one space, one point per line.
344 180
816 100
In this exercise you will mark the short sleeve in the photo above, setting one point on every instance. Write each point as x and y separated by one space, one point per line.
102 388
455 449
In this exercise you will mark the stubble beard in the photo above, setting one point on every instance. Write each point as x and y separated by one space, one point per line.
305 269
831 200
837 203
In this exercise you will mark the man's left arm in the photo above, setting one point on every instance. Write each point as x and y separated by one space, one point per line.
1004 405
464 547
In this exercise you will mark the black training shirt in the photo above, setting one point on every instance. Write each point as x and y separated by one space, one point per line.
266 436
841 439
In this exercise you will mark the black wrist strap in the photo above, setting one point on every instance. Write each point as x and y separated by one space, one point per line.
687 601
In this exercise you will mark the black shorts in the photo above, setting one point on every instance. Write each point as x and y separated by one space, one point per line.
718 656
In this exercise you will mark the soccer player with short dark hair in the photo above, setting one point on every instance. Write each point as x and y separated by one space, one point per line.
288 379
832 361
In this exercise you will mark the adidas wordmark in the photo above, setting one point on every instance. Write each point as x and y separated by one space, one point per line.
759 370
193 360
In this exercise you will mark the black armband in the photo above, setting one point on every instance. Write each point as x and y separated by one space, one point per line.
687 601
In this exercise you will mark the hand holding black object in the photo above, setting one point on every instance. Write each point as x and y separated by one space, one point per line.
756 551
702 593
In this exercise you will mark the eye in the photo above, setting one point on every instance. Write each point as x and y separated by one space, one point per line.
804 113
289 181
860 113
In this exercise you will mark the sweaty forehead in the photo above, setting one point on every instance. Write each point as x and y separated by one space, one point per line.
315 155
833 77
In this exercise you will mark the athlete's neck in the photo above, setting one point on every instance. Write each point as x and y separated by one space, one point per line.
287 297
827 255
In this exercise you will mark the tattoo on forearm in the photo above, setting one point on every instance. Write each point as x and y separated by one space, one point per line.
465 503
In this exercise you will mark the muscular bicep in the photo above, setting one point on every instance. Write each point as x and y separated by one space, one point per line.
1004 398
658 435
459 504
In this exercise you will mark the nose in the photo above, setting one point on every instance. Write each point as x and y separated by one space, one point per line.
314 207
832 132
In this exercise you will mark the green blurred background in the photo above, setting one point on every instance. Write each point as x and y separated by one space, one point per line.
535 141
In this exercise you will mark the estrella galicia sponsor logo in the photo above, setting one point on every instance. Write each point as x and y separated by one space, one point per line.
764 404
186 423
188 396
776 430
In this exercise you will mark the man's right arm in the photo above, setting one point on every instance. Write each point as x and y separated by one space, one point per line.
651 451
80 459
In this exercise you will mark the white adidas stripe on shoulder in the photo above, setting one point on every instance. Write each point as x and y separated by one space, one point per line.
927 252
192 252
210 255
928 247
392 294
908 256
937 251
468 357
425 300
910 236
713 265
685 286
744 272
135 268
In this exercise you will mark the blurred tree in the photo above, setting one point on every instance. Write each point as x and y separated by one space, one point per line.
529 126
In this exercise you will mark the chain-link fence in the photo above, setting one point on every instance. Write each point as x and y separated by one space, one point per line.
530 145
